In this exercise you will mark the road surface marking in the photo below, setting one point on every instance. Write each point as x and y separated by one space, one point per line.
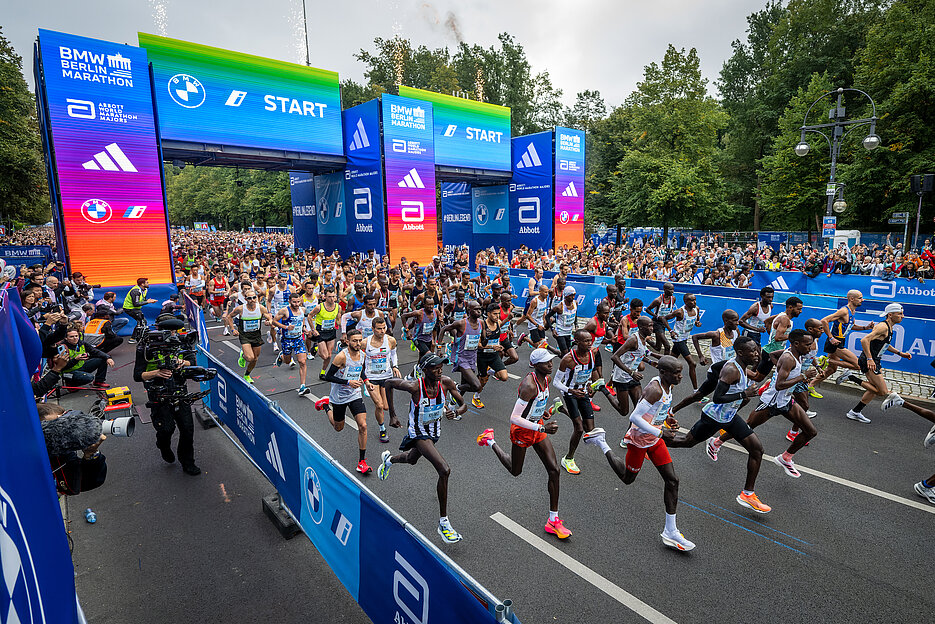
614 591
349 421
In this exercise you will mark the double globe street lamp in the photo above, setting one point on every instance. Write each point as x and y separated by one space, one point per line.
839 128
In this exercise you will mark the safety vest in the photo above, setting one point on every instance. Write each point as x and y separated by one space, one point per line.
128 301
74 354
95 326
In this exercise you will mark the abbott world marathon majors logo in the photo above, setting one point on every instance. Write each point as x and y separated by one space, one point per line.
20 597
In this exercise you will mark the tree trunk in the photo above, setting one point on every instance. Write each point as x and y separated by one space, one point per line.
756 205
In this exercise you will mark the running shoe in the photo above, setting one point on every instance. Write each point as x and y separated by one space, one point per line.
790 435
133 341
476 402
412 346
248 378
859 417
364 391
595 436
752 502
241 360
102 385
522 337
322 404
929 441
822 360
303 390
383 470
321 375
788 466
704 399
925 492
893 400
275 348
711 448
611 391
269 337
555 407
812 392
292 364
811 413
623 443
570 466
595 407
487 434
278 361
677 541
448 351
363 468
557 528
227 331
384 436
448 534
597 385
764 387
842 377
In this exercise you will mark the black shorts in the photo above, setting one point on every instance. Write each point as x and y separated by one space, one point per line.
775 410
338 410
423 347
487 360
507 344
766 363
658 325
536 335
598 360
379 382
564 343
325 335
578 408
680 347
625 386
862 362
707 427
407 442
830 348
251 338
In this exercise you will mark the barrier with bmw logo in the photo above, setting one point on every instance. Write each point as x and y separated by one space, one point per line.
900 290
391 570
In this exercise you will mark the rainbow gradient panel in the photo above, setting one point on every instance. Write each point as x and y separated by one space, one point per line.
467 133
569 188
209 95
107 159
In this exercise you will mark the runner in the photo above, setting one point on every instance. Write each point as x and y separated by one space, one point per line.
597 327
424 326
628 362
426 406
347 377
380 364
506 330
660 308
535 319
872 347
467 335
686 318
926 487
217 293
529 429
489 356
733 391
247 330
291 320
567 312
651 427
779 326
628 320
574 380
363 318
802 391
323 329
753 320
277 299
836 327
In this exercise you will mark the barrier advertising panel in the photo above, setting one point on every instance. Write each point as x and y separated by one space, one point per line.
531 192
490 206
209 95
409 160
106 157
467 133
457 227
332 216
363 180
304 213
569 187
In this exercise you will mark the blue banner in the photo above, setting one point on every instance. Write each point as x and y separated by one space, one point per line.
457 219
304 217
37 579
332 217
771 239
781 281
26 255
196 317
490 207
363 181
531 192
900 290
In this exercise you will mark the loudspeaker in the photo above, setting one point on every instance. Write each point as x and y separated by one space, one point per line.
922 183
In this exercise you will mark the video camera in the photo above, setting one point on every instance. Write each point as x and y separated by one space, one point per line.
173 344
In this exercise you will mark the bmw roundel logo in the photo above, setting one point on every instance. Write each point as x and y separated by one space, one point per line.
323 214
96 211
20 598
313 499
482 213
186 90
564 216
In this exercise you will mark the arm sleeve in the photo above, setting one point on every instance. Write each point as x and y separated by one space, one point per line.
561 380
332 376
516 418
636 418
394 360
722 396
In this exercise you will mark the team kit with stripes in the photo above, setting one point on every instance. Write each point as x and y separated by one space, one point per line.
467 330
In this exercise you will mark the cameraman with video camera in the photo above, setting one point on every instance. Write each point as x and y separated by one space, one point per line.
67 434
163 365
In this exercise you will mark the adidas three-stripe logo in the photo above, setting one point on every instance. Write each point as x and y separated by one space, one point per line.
412 180
530 158
360 137
111 159
779 284
570 190
272 456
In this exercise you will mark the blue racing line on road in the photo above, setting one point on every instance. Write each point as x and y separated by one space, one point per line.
744 528
761 524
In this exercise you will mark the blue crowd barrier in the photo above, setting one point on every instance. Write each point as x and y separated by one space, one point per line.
900 290
26 255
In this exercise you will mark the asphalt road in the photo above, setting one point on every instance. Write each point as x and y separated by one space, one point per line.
844 543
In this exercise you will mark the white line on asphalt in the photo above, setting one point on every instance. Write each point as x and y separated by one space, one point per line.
512 376
614 591
350 421
230 344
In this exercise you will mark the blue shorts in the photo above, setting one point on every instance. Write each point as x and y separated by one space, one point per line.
292 346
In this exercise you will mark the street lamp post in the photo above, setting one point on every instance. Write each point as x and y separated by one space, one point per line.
837 127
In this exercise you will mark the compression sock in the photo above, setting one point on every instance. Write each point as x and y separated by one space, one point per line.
670 524
553 515
787 456
383 426
860 407
363 453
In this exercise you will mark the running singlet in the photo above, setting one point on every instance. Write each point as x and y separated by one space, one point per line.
683 328
295 321
566 320
377 359
581 373
725 412
599 332
426 327
325 319
759 321
250 320
279 299
878 345
365 324
632 359
840 329
773 344
340 393
656 415
425 416
722 347
466 352
458 312
781 398
665 309
541 402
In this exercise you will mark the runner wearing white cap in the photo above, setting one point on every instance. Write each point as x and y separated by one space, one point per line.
871 360
529 429
566 313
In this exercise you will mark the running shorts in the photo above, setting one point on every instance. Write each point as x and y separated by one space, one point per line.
578 408
338 410
522 437
862 362
707 427
409 442
658 454
681 348
251 338
293 346
487 360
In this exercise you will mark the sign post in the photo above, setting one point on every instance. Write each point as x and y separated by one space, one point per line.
828 227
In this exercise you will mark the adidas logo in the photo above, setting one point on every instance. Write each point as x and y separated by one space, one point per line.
570 190
698 277
111 159
412 180
360 137
272 456
530 158
779 284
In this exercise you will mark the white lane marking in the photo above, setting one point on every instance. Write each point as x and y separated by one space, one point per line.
350 421
216 327
230 344
512 376
614 591
845 482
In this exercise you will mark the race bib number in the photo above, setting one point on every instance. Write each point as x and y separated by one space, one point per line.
379 364
251 325
471 342
430 412
327 324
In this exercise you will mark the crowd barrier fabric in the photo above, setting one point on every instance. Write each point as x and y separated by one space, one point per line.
393 572
37 579
490 207
900 290
366 215
331 211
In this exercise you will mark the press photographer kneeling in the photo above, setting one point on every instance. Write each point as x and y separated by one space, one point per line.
163 365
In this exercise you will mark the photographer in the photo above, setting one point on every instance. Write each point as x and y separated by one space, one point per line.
77 292
155 367
99 331
85 359
74 473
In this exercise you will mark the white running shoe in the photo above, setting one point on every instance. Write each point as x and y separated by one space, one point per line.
929 441
227 331
811 413
677 541
789 467
925 492
893 400
292 364
448 533
857 416
275 348
711 449
383 470
594 436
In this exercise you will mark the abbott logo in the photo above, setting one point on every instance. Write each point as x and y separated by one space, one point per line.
222 394
528 209
412 214
882 288
413 597
80 109
363 209
450 130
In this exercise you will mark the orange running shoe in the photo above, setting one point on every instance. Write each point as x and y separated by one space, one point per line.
557 528
363 468
752 502
483 437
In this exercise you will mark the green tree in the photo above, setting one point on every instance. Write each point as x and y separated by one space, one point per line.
588 109
23 188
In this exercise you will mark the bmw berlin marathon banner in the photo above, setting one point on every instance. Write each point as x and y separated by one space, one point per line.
363 175
209 95
409 159
569 187
98 106
531 192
